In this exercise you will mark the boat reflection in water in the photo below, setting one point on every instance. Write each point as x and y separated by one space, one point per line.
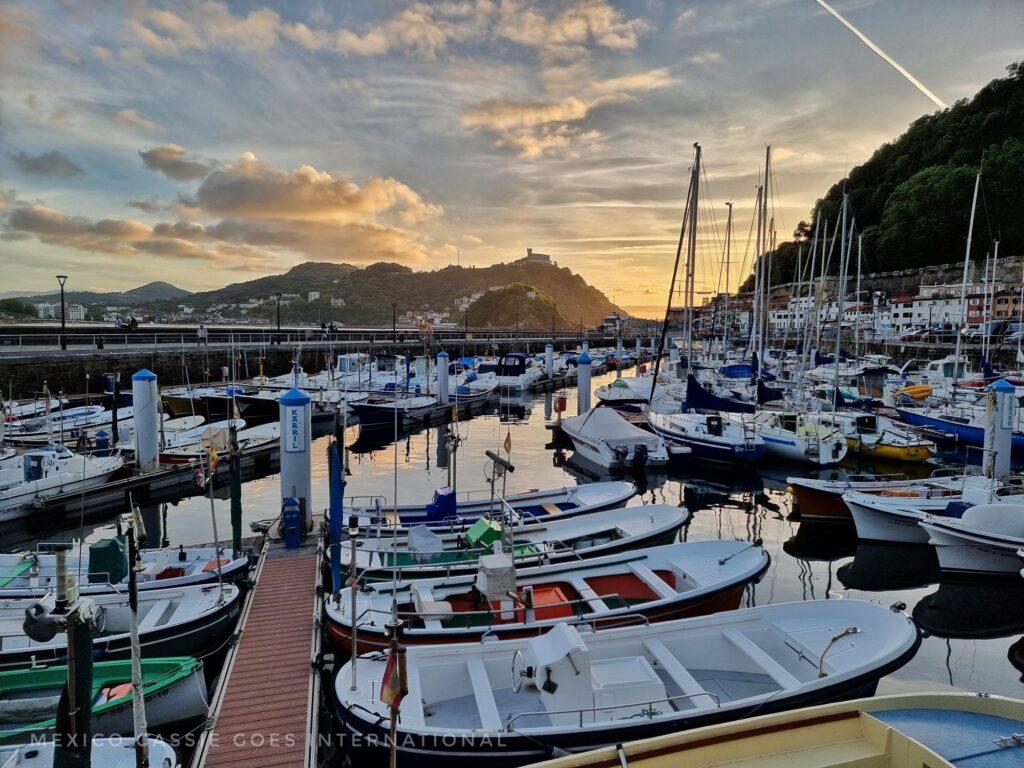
880 567
583 470
962 610
824 542
1016 656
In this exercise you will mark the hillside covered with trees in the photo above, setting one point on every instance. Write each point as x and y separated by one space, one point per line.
912 198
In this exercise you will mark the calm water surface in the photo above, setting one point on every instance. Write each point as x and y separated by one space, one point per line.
970 629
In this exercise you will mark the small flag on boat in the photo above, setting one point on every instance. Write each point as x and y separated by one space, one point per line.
392 689
455 413
507 445
214 460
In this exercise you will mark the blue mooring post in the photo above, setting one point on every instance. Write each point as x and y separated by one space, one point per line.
549 360
296 463
583 382
335 521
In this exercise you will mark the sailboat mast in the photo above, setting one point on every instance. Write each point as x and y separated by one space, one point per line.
755 316
766 277
963 286
671 294
691 255
728 253
841 298
856 327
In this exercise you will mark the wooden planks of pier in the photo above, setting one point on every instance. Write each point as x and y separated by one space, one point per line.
264 714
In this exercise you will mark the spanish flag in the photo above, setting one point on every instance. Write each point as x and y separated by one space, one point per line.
392 687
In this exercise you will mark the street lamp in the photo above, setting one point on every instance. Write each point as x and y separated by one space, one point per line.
63 323
278 297
394 322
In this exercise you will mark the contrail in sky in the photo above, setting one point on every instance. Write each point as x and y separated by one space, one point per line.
895 65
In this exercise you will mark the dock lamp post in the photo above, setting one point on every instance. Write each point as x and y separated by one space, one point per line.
278 297
394 322
63 323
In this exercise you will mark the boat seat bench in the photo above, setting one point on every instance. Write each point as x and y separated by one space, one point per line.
652 580
489 717
686 682
771 667
154 615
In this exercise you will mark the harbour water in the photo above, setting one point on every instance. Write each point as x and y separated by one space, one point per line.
972 632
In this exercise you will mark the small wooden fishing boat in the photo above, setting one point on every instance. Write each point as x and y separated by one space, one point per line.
512 702
188 621
33 575
656 584
983 542
424 554
893 514
604 437
940 730
106 753
710 436
173 689
819 498
451 512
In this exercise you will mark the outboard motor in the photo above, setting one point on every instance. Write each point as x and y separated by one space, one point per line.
640 456
443 506
32 465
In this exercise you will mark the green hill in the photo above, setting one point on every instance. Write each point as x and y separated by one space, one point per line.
912 198
367 294
517 305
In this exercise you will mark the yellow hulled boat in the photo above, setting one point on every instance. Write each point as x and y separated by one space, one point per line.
937 730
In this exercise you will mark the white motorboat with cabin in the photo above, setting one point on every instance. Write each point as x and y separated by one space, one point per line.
43 472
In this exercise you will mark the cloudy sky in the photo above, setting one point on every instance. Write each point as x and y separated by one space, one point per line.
205 142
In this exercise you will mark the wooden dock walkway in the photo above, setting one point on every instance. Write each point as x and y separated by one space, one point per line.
265 707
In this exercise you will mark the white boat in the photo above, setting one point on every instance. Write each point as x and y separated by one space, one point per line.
512 702
453 512
32 574
984 542
604 437
795 436
116 752
892 514
15 410
188 621
183 446
50 471
518 372
654 584
53 426
710 436
423 553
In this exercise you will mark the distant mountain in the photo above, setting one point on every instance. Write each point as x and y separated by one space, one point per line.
144 294
156 291
365 295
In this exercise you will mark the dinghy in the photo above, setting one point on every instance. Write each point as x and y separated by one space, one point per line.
795 436
513 702
983 542
656 584
451 513
604 437
189 621
710 436
106 753
173 689
940 730
103 568
423 553
48 472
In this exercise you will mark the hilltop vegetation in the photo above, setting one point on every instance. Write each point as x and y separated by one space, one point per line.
912 198
367 294
517 305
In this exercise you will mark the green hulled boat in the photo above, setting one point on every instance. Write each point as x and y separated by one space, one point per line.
174 690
